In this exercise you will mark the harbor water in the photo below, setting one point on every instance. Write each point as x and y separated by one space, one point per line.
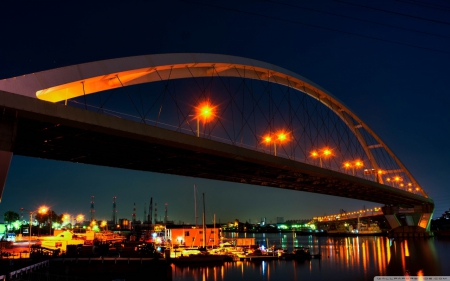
343 258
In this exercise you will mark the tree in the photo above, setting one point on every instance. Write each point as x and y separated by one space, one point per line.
11 216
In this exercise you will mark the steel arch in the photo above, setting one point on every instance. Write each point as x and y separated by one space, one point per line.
77 80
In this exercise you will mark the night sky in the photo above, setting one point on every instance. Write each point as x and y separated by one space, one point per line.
388 61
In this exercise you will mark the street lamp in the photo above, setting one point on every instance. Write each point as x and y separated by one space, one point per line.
206 111
357 164
66 219
397 180
50 217
41 210
280 137
326 152
79 219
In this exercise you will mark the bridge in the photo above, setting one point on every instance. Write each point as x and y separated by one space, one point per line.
209 116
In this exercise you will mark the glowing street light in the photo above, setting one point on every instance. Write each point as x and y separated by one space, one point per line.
357 164
80 218
280 137
67 219
325 153
205 111
41 210
397 180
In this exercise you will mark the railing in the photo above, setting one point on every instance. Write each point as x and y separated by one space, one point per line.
24 270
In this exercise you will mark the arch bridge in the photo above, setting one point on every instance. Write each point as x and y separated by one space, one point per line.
210 116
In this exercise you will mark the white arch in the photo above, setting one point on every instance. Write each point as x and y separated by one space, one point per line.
73 81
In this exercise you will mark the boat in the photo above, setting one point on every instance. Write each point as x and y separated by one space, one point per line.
298 254
201 258
370 229
338 229
256 254
200 254
366 229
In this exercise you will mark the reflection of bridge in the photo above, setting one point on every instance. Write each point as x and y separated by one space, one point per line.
264 126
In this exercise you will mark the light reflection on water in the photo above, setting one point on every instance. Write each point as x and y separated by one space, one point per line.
343 258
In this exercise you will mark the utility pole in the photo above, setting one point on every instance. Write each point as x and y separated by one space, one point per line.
134 213
145 212
165 213
150 209
92 208
114 218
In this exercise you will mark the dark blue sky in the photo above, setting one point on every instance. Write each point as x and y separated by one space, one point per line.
390 67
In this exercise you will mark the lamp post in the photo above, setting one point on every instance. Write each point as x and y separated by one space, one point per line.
66 219
280 137
79 219
41 210
353 165
104 224
51 223
205 111
326 152
397 180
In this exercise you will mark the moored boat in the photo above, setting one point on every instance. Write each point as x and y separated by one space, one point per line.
201 258
298 254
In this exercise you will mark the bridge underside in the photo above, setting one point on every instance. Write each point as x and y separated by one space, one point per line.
35 128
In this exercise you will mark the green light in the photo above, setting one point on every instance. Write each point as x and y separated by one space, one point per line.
16 225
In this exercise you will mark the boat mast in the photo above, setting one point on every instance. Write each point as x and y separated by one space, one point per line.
203 219
215 231
195 205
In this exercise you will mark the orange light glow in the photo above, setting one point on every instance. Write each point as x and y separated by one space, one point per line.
43 210
267 139
282 137
80 218
380 172
420 273
347 165
358 164
314 154
406 249
326 152
206 111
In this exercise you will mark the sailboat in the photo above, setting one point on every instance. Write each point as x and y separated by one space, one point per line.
204 256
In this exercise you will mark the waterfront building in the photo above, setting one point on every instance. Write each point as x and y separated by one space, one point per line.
192 236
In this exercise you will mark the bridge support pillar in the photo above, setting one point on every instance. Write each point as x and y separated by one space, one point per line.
7 137
409 222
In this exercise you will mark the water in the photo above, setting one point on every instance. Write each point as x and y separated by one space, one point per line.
343 258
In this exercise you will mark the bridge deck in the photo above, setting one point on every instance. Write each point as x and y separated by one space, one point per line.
35 128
